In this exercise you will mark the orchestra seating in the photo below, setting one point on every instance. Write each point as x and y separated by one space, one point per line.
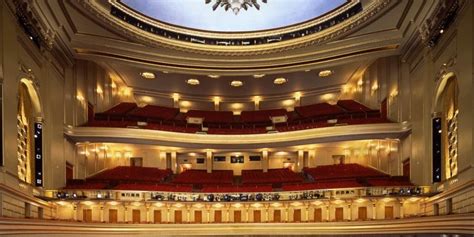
273 176
346 112
201 177
389 181
342 171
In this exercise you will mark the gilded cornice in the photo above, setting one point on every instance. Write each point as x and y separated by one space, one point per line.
367 15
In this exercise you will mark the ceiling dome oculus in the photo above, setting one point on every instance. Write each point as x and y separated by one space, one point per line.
196 14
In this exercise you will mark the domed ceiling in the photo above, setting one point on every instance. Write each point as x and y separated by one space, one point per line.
196 14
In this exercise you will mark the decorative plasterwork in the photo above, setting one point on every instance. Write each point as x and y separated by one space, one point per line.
32 24
370 11
445 68
269 140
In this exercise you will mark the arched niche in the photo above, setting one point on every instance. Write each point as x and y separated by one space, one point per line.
445 106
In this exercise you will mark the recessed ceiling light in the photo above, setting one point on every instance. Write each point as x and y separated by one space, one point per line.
280 81
213 76
307 70
148 75
165 72
236 83
258 75
193 82
325 73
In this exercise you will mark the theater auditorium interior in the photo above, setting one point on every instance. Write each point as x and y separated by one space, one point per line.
236 117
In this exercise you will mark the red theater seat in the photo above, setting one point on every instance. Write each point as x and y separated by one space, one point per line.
261 115
201 177
212 116
273 176
154 112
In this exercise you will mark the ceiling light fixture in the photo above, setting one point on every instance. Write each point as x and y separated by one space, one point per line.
235 5
325 73
258 75
148 75
193 82
280 81
213 76
236 83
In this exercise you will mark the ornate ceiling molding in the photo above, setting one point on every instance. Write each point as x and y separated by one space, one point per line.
370 12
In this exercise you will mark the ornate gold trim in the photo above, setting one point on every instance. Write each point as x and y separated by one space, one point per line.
332 33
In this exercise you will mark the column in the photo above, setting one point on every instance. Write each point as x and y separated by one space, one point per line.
327 213
267 212
311 157
163 158
101 211
247 212
125 213
147 206
287 212
74 211
307 205
349 206
168 210
208 213
300 160
374 211
265 160
402 213
174 162
188 213
227 206
209 161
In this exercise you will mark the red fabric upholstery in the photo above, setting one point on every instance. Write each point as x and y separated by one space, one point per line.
201 177
154 112
129 173
328 184
120 109
212 116
261 115
154 187
342 171
353 106
237 189
315 110
273 176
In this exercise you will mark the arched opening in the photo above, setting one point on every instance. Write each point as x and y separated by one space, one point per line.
29 148
446 106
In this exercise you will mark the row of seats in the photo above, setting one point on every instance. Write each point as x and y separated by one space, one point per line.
201 177
326 184
273 176
154 187
131 174
224 122
236 189
341 171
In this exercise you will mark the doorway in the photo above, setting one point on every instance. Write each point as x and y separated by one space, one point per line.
178 216
388 212
218 216
113 216
297 215
318 215
339 214
277 216
157 216
87 215
136 216
237 216
198 216
362 213
257 216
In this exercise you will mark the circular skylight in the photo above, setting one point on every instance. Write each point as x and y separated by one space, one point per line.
196 14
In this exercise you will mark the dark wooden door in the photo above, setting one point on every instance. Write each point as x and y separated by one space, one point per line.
318 215
237 216
198 216
157 216
113 216
218 216
178 216
87 215
257 216
136 216
277 216
362 213
388 212
339 214
297 215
